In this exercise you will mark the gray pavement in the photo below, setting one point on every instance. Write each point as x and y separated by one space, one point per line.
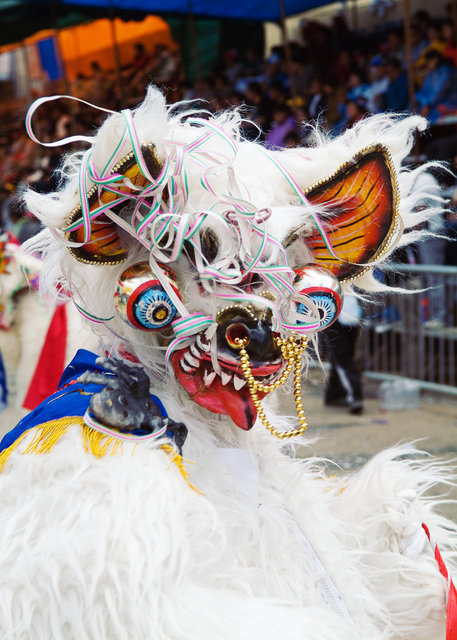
350 440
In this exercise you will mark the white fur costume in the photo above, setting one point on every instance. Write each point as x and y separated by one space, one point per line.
119 546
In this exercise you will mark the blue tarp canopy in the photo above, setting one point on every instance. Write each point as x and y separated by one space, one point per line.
22 18
231 9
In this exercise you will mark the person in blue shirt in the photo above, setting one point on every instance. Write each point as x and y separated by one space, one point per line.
436 89
396 98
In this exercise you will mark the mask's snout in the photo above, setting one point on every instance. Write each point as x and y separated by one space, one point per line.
250 326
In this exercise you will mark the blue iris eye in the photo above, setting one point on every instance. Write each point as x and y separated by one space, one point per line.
326 307
154 309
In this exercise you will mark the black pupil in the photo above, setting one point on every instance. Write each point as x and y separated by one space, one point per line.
160 313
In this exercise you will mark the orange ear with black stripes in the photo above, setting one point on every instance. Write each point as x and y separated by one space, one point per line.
361 204
105 244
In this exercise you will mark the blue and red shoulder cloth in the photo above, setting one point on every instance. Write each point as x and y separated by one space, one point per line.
72 398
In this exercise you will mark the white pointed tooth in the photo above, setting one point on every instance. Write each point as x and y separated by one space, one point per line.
194 351
225 377
238 383
208 377
185 367
194 362
202 345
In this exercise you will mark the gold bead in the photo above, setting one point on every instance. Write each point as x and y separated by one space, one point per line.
291 350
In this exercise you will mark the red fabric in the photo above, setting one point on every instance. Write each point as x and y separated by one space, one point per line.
451 621
451 617
51 362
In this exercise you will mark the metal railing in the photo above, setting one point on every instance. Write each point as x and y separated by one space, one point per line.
414 335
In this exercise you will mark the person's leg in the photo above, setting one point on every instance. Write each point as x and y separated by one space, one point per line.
344 382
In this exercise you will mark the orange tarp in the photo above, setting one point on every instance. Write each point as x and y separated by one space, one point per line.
94 41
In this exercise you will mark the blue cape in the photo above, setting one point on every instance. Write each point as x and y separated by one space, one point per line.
72 398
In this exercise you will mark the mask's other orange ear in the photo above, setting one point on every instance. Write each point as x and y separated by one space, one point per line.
105 244
361 200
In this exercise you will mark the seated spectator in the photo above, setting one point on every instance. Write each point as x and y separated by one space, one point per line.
232 66
448 37
253 64
421 20
379 83
434 43
436 87
301 72
419 42
259 110
141 57
419 47
283 124
352 112
318 100
395 47
79 86
341 68
355 111
396 98
435 39
357 85
164 65
319 40
336 112
277 92
274 72
100 88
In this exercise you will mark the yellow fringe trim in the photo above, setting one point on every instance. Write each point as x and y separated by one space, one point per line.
5 454
179 462
49 433
99 443
45 437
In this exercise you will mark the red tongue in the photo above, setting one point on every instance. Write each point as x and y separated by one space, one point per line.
224 399
216 397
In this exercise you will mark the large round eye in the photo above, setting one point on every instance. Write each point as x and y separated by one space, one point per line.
323 290
151 308
141 300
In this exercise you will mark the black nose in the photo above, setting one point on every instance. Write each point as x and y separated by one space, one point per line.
253 329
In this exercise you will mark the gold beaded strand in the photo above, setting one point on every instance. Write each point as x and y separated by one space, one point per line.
291 350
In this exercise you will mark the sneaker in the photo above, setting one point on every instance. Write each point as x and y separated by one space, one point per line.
356 408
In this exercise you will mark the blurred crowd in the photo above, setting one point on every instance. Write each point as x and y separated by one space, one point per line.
331 76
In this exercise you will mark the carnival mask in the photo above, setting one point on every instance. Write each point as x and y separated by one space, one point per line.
230 290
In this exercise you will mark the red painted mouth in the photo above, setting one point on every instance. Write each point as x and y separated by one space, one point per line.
226 394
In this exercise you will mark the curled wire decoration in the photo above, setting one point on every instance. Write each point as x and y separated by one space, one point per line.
164 225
